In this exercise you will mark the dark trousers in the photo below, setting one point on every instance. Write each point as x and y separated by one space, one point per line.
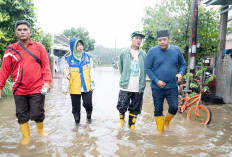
158 97
76 102
29 107
130 100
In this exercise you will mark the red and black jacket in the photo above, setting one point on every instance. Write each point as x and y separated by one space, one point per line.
28 75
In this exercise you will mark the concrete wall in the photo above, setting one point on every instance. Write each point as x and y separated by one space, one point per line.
224 79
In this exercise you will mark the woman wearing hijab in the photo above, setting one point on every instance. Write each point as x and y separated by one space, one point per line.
78 79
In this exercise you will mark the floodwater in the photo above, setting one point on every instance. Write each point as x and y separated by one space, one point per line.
104 136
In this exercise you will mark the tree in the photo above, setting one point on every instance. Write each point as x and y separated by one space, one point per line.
10 12
229 28
175 15
105 55
46 41
82 34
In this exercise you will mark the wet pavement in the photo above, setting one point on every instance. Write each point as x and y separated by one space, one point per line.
104 136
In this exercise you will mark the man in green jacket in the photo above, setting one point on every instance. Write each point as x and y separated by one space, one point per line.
132 81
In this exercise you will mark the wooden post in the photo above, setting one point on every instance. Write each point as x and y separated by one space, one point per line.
52 63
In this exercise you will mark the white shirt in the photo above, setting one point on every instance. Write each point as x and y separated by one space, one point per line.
133 85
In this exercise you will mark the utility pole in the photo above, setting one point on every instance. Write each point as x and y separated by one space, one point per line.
193 40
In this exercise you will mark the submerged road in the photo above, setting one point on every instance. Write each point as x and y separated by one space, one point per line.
104 136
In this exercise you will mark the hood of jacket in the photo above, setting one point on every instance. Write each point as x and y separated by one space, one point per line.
73 44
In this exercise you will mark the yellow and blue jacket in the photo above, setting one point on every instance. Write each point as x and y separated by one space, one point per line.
78 74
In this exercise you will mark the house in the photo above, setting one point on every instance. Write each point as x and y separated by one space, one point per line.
58 50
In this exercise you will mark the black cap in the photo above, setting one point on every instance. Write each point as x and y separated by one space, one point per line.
163 33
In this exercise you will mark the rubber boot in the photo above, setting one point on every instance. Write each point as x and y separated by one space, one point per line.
121 115
77 118
160 123
132 119
26 133
39 128
89 114
167 119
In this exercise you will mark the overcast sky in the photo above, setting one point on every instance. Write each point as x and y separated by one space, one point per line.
109 22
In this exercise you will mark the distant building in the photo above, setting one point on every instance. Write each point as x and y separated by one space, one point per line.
60 46
58 50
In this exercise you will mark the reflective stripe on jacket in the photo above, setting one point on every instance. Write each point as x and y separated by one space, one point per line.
79 73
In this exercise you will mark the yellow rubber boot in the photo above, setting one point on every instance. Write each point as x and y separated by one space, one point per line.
40 130
132 119
26 133
160 123
167 119
122 115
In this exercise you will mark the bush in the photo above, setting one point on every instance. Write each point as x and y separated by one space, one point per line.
193 79
7 90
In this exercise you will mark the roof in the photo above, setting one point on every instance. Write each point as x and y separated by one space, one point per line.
61 39
219 2
224 3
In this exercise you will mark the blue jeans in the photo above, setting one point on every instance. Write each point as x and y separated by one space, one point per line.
158 97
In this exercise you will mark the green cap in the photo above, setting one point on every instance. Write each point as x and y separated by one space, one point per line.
137 33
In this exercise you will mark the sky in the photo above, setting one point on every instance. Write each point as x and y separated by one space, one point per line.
109 22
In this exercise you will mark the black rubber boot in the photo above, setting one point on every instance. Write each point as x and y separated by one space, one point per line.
122 115
77 118
89 114
132 119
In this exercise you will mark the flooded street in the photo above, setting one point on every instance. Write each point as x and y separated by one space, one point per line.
104 136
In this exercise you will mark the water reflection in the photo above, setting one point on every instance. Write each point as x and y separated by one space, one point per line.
104 136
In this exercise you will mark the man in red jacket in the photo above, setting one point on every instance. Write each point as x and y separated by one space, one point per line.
28 64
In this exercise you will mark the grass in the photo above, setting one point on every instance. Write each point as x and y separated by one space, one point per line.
105 65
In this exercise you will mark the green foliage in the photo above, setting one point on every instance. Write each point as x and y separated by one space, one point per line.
201 71
82 34
10 12
7 90
175 15
95 61
193 79
192 95
210 79
229 28
105 55
193 85
47 41
207 34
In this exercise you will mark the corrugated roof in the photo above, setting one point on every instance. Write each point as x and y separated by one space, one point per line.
219 2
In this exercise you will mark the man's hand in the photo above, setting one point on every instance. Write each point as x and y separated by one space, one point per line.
161 84
179 76
0 93
47 85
